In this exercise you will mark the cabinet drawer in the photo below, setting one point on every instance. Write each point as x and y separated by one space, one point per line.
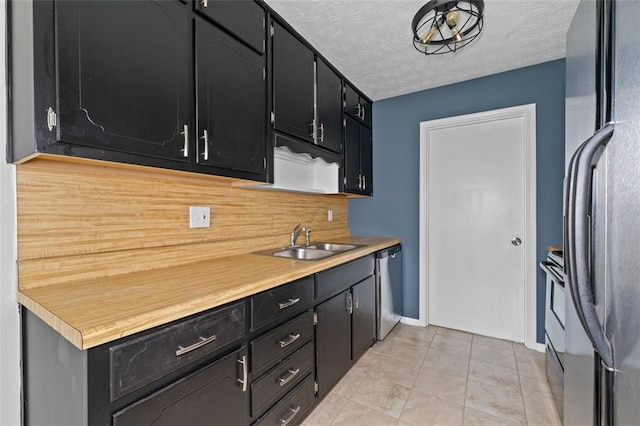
281 379
281 302
339 278
293 408
137 362
212 392
278 344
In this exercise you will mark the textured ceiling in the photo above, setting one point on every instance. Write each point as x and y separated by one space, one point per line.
369 41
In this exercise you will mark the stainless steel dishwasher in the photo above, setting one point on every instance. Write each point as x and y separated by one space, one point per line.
388 289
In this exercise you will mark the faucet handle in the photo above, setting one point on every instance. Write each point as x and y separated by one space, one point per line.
307 235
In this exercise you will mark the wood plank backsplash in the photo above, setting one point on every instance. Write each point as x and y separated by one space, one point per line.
86 220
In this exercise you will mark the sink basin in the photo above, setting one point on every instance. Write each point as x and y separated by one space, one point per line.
303 253
333 246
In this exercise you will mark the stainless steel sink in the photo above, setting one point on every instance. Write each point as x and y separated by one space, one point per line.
303 253
312 252
339 247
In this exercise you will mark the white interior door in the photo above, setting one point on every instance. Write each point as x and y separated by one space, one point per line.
476 225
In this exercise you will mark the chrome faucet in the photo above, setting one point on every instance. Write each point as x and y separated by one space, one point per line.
307 235
295 233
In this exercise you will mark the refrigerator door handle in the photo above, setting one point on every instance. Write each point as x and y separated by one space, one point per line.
579 243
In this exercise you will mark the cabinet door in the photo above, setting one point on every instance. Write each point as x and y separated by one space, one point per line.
293 85
242 18
329 87
366 160
123 82
211 395
366 112
231 101
353 179
352 101
363 320
333 341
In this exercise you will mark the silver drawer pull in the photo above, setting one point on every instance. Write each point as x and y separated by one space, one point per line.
288 303
203 341
294 411
292 374
292 338
245 373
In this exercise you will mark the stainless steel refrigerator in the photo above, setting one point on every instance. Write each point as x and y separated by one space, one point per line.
602 215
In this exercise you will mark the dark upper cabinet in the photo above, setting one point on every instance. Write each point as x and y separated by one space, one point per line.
121 88
329 107
358 168
293 85
244 19
357 106
231 101
363 319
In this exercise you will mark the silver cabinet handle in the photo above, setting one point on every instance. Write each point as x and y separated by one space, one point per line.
516 241
349 303
362 113
204 3
290 302
205 136
364 182
292 338
321 137
358 109
359 181
313 128
245 373
294 411
203 341
292 374
355 299
185 150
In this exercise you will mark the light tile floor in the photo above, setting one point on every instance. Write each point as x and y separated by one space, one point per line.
436 376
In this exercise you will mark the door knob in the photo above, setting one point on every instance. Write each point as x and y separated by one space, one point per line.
516 241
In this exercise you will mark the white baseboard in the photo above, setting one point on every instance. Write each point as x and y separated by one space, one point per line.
411 321
539 347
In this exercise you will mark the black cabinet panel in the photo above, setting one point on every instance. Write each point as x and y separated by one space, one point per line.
293 85
292 409
363 320
242 18
366 160
231 102
137 362
367 112
126 90
281 379
358 158
352 101
341 277
329 89
281 302
353 179
333 341
277 344
212 394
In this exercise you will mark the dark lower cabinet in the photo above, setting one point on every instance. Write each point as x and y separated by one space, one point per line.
363 319
125 90
211 395
333 341
231 102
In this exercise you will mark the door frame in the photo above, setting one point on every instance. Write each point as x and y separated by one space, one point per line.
528 112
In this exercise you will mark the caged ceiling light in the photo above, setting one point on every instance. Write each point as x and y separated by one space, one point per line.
443 26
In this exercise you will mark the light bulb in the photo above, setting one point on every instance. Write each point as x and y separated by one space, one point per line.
452 20
429 36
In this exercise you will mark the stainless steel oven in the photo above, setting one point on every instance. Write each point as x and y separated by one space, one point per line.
554 326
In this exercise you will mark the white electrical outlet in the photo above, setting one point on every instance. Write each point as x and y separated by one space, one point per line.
199 217
330 215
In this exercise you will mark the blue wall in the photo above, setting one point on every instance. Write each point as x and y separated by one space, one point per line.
393 210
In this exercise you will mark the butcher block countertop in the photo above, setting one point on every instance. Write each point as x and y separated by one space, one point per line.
89 313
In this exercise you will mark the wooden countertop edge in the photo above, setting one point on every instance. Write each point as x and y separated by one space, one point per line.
109 330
